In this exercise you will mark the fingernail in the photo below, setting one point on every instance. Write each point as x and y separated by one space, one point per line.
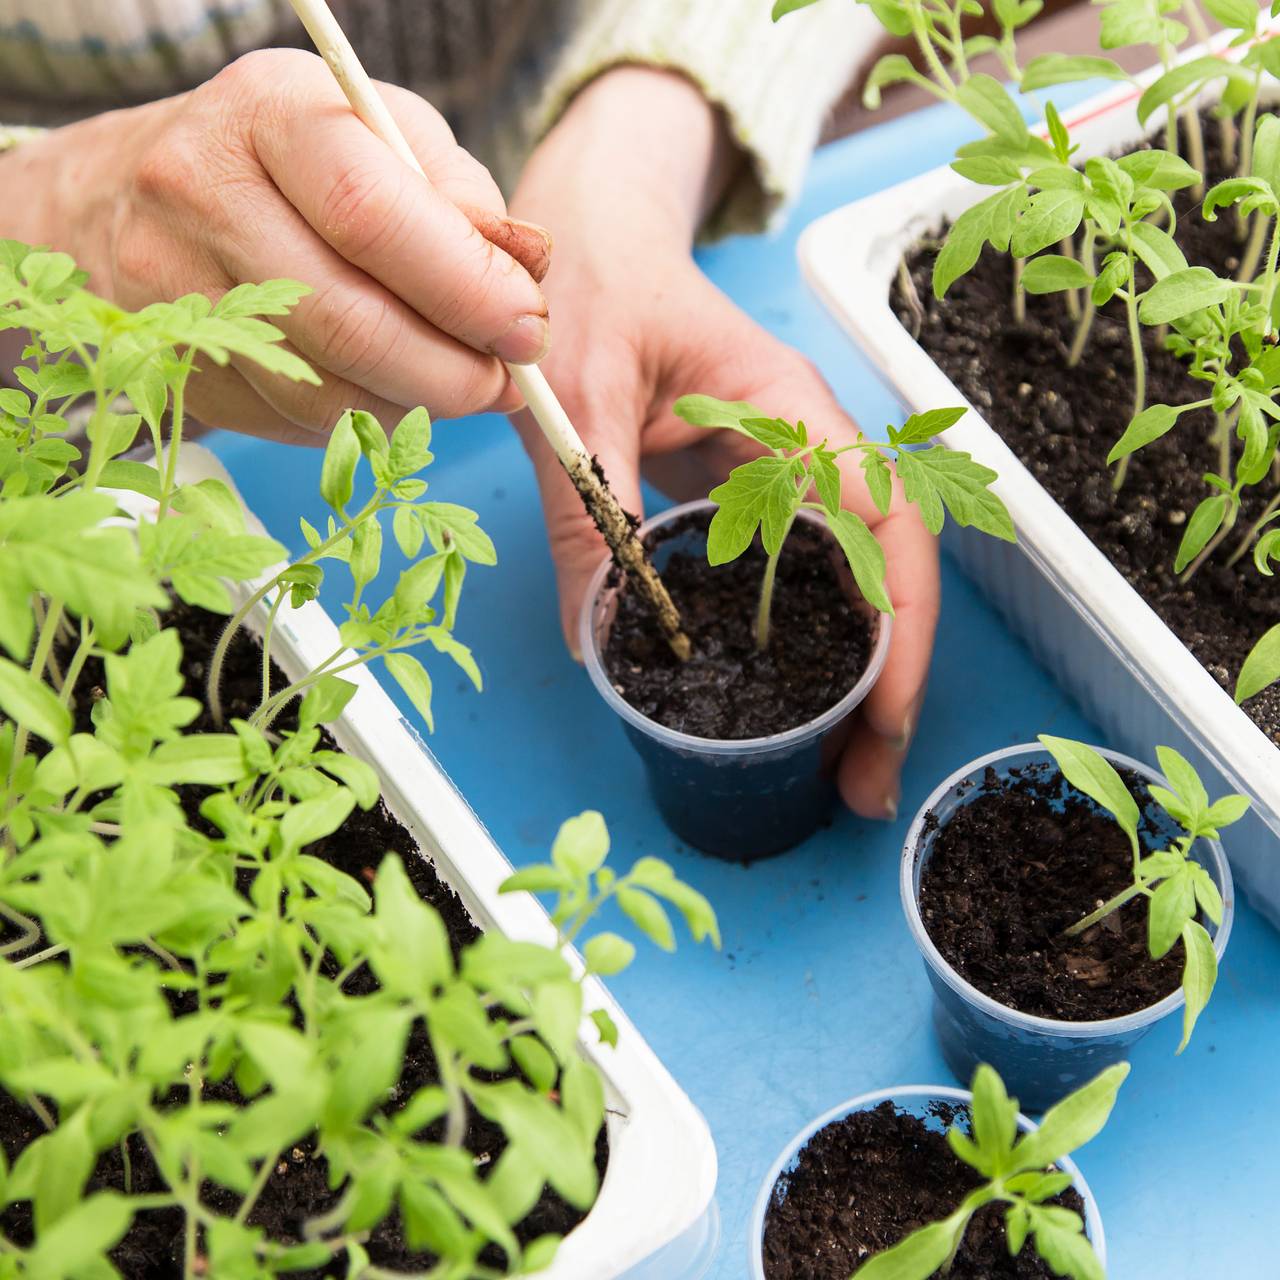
526 341
903 740
541 232
891 807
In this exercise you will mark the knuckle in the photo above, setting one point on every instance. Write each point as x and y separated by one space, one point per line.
359 213
478 388
479 307
357 335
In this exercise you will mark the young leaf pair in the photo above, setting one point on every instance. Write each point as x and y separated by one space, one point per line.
767 494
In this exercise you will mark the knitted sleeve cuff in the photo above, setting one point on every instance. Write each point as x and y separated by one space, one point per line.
775 82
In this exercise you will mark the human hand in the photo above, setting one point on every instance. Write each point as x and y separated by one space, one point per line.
265 172
637 325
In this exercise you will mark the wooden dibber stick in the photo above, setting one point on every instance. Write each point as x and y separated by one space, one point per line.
615 526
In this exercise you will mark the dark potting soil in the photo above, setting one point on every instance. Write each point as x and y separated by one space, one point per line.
862 1184
298 1190
1013 868
819 644
1062 422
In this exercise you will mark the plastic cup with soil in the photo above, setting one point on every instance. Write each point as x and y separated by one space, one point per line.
868 1173
1000 860
740 745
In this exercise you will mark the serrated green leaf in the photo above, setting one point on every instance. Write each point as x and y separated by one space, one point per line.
1052 273
1049 218
32 703
988 101
1069 1124
341 457
990 221
1181 293
1199 974
939 478
865 556
760 494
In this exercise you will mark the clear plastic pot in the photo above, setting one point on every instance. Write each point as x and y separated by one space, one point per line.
1040 1059
916 1100
737 799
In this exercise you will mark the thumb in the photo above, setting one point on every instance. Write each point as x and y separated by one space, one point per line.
577 547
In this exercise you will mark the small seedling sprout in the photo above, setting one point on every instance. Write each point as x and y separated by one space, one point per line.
766 494
1017 1171
1177 888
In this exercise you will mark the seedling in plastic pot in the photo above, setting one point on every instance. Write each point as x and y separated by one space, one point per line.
1176 886
1017 1172
767 493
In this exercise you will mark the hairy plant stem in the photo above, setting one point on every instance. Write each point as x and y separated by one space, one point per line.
1114 904
1252 254
1247 126
1222 435
1269 277
911 297
219 658
1254 529
175 435
1019 293
1139 365
764 609
44 648
266 647
1068 250
920 31
1085 327
1195 145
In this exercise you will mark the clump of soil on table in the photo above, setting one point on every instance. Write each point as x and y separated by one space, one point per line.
862 1184
298 1190
1013 868
1062 423
818 649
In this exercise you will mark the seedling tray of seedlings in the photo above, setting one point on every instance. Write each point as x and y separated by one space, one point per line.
655 1216
1099 637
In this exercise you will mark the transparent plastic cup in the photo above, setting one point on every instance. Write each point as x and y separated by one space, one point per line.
915 1100
1040 1059
741 799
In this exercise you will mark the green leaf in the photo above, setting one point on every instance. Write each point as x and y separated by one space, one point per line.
1153 422
1266 153
607 954
759 494
533 1058
1184 779
995 1119
879 480
1208 895
1159 170
606 1027
1155 248
1235 15
647 913
826 479
783 7
412 677
1069 1124
1205 521
1050 217
536 879
1051 69
1052 273
1261 668
707 411
415 947
1172 905
411 443
1184 78
1199 974
919 1255
78 1241
865 556
990 221
311 820
1181 293
921 428
135 477
341 457
988 101
581 845
557 1012
892 68
940 477
987 171
32 703
1222 813
1065 1248
325 701
1091 773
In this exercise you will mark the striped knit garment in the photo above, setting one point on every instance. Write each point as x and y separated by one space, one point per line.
500 70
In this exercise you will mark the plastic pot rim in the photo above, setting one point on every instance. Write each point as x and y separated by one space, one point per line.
673 738
1123 1024
866 1101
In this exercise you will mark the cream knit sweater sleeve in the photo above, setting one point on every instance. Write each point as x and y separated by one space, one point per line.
776 82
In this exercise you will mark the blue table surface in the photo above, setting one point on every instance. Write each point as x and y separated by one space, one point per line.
818 993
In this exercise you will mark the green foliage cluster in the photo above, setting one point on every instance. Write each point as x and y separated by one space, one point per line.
151 959
1105 230
766 494
1017 1171
1177 888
